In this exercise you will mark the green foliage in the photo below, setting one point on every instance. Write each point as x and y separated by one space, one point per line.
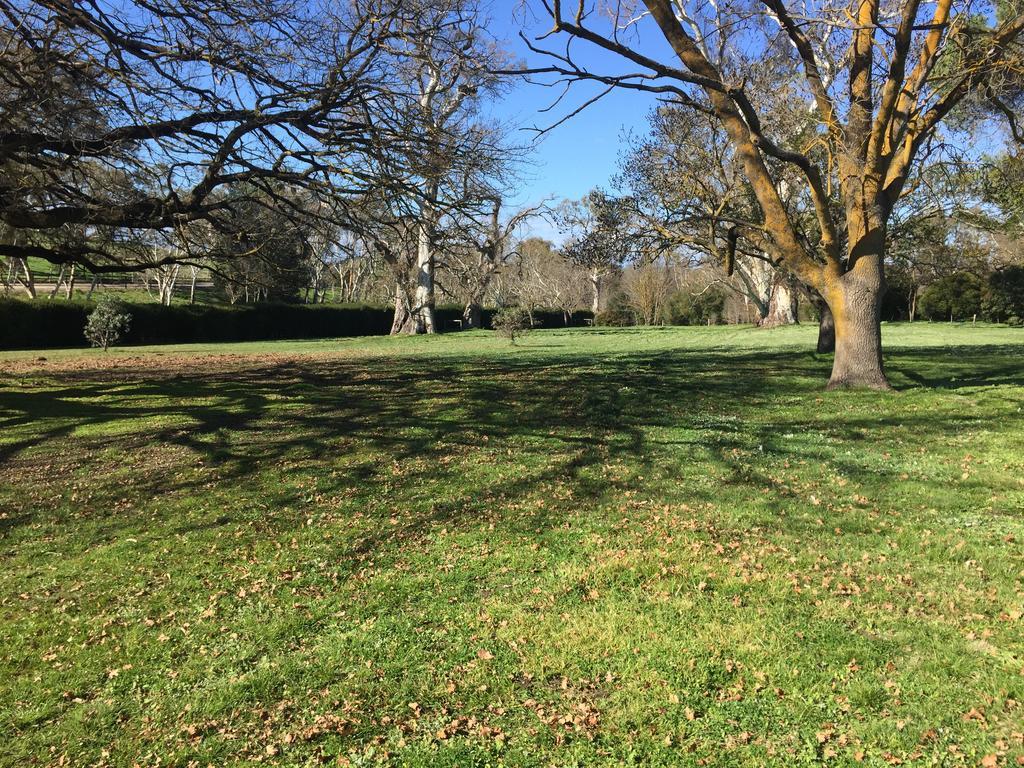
1004 295
107 323
674 548
956 296
511 322
260 250
618 313
696 308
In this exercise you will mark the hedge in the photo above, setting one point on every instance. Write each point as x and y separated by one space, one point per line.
48 324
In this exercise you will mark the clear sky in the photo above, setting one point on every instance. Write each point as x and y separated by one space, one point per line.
581 153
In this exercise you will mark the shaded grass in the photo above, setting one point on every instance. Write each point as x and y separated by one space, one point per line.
651 547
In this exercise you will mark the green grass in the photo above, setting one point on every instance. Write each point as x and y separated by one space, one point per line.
598 547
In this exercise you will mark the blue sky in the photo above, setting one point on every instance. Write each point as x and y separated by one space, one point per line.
583 152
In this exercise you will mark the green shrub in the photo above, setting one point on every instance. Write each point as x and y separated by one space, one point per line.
511 322
618 313
696 308
1004 295
107 323
956 296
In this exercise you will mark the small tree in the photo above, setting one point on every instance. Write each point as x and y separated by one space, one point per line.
511 322
107 322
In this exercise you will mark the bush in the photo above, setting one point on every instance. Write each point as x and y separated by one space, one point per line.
956 296
107 323
1004 295
511 321
701 308
618 313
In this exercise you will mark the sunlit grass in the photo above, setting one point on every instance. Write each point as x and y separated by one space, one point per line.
649 547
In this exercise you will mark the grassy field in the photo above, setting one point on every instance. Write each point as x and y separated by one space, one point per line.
598 547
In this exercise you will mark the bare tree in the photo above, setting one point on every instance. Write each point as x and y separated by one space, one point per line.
550 279
484 248
648 287
449 63
119 120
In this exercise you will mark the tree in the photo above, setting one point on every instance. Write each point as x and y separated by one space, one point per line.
598 238
128 119
511 322
952 297
648 287
449 65
688 192
700 307
547 278
881 82
1004 295
261 251
482 248
107 323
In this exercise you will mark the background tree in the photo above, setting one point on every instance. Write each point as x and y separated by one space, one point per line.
449 64
262 252
549 278
598 238
482 247
122 120
689 192
107 323
648 287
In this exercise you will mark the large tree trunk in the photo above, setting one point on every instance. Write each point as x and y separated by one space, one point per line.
595 282
402 322
423 300
826 328
855 299
423 303
782 307
472 315
757 277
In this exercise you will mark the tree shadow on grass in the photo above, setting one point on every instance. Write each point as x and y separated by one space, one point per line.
958 367
565 418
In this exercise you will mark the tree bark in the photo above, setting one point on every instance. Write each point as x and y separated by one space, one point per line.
71 284
28 281
423 302
782 307
855 299
472 316
595 282
60 281
826 328
402 322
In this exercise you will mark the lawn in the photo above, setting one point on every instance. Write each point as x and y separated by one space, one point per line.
596 547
